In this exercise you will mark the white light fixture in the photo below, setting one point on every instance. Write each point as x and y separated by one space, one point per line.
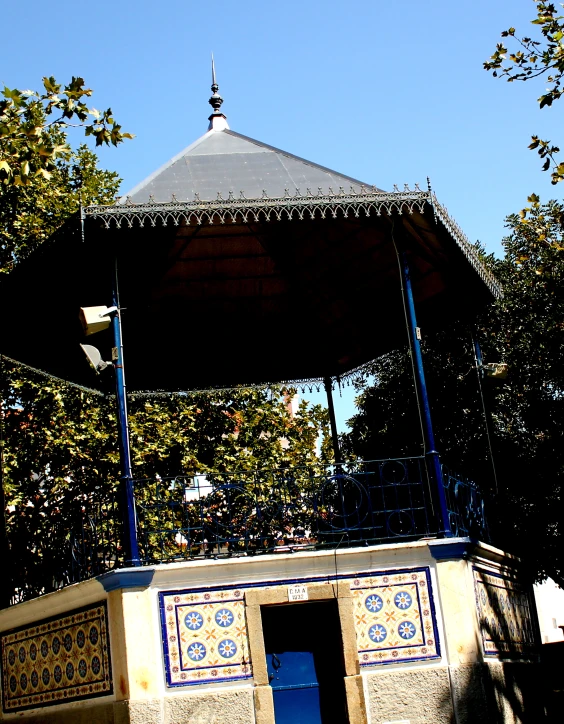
95 319
94 357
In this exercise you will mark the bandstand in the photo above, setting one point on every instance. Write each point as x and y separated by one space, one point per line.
362 591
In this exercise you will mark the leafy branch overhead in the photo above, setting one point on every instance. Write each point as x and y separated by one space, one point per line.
29 120
531 59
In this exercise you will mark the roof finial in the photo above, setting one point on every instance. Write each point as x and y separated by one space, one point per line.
218 121
213 76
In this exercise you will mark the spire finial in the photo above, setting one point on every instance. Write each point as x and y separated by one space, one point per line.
213 77
218 122
216 100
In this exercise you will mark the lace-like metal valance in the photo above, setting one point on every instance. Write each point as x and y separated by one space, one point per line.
309 384
366 202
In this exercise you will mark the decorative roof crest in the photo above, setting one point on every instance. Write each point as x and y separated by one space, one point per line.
218 121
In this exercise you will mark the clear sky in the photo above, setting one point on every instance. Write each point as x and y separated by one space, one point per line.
385 91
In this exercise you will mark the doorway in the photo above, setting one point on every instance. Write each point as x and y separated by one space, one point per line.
304 655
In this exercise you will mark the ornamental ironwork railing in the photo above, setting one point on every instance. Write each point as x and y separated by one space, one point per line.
240 513
467 516
252 512
62 543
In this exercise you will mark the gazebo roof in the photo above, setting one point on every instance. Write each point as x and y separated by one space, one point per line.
239 263
224 163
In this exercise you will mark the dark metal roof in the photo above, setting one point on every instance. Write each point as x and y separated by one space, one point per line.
224 162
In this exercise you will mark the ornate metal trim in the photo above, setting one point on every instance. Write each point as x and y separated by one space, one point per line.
442 215
298 206
306 384
243 210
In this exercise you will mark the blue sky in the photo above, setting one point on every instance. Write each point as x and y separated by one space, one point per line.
388 92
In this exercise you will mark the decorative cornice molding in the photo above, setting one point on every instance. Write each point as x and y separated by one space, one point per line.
443 549
127 578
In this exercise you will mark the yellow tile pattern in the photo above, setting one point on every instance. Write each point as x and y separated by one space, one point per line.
207 638
57 660
394 617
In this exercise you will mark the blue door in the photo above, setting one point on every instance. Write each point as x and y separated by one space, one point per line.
295 687
305 663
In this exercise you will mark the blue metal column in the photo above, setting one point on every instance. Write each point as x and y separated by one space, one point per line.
332 420
433 461
127 498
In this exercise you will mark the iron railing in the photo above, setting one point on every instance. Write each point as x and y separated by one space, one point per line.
466 510
221 514
252 512
64 544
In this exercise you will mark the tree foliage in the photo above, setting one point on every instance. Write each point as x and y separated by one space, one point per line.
29 120
43 180
60 456
533 58
525 412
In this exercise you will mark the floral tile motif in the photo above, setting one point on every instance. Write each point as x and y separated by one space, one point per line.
57 660
395 617
205 637
504 614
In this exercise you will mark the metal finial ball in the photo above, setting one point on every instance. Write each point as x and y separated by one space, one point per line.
216 100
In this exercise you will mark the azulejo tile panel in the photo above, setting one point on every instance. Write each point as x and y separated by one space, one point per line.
395 617
505 615
205 637
57 660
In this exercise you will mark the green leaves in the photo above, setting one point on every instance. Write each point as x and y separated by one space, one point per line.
42 180
532 59
34 204
27 118
60 456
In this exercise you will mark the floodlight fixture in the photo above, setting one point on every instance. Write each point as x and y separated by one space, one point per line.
94 358
496 369
95 319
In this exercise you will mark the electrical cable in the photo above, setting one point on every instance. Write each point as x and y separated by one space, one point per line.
484 412
409 342
418 400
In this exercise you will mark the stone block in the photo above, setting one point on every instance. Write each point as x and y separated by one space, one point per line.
145 711
264 705
217 706
420 696
356 705
98 714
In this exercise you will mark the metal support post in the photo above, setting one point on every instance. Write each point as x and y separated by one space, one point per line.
431 454
332 421
127 498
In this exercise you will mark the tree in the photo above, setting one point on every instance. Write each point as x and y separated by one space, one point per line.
42 180
526 411
532 59
61 466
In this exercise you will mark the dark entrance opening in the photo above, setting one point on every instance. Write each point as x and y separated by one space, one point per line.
304 655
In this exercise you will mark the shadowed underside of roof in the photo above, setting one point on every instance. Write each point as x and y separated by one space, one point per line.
224 162
239 263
